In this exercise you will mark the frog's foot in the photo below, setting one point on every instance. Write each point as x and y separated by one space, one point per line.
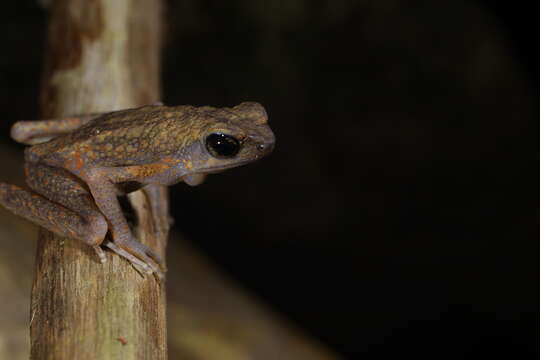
137 264
144 260
140 266
100 253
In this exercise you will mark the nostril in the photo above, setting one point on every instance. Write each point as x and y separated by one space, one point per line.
265 147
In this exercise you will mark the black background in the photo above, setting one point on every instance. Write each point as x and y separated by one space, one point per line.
398 214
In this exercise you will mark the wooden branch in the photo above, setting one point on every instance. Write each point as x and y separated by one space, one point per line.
102 55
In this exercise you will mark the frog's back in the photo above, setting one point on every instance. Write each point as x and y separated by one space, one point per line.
125 137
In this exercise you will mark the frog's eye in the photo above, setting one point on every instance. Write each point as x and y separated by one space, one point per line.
222 145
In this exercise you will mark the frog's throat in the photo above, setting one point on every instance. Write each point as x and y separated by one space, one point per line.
194 179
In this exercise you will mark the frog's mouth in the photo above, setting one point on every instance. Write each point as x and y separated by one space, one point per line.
218 169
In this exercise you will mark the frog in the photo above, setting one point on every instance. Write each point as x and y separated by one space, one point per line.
77 167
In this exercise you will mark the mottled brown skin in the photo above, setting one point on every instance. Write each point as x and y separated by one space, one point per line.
90 160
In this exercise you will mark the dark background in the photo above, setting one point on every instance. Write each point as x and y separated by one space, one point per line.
398 214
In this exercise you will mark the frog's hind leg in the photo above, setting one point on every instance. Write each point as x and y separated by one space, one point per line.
60 204
36 132
64 205
53 217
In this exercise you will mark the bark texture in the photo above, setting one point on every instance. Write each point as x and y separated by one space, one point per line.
102 55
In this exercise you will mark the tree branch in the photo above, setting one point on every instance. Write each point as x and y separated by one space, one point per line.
102 55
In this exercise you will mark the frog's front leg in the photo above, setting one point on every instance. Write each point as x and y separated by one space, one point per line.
160 212
101 182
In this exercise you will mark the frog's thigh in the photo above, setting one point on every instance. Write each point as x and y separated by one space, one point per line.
35 132
68 204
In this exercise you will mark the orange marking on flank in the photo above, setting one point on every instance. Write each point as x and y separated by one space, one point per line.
152 169
170 160
75 161
188 164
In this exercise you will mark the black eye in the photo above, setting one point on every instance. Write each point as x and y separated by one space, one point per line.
222 145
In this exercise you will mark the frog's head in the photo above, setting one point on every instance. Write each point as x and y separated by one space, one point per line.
230 137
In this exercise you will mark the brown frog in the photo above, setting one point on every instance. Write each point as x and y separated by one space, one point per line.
78 166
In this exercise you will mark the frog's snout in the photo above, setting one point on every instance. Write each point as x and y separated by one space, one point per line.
265 141
266 147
